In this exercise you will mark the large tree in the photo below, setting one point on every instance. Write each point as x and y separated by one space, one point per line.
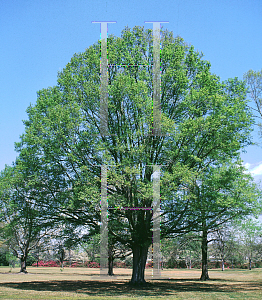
202 119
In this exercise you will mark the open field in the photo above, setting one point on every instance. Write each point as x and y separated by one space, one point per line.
83 283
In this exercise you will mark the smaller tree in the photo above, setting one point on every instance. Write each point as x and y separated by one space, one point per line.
25 222
91 247
250 232
3 249
222 193
40 250
224 245
116 250
254 82
3 255
61 254
185 248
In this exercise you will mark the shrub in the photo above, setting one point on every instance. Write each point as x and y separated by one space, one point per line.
50 263
258 264
93 264
76 265
119 264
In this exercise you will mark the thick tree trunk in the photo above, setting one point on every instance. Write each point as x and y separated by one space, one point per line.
204 275
23 264
110 260
139 263
190 263
250 261
110 266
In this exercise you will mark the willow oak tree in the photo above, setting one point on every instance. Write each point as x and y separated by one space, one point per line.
222 193
202 119
26 222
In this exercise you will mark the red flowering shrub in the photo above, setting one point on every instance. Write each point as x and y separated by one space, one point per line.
49 263
75 265
92 264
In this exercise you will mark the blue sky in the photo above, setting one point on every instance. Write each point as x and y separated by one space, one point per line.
38 38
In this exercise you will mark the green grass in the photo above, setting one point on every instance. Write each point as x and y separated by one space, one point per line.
82 283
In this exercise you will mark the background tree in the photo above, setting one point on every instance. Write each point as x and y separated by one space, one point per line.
41 249
222 193
91 245
61 254
185 248
250 232
225 245
70 236
254 82
25 221
3 249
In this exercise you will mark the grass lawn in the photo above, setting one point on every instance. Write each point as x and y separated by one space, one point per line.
83 283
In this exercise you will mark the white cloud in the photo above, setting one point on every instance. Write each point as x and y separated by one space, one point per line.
257 170
247 165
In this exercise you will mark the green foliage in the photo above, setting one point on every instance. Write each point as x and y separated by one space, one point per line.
225 191
25 221
30 260
11 258
92 247
3 255
250 232
181 251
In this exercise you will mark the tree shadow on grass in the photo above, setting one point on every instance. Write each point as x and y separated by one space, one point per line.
118 288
